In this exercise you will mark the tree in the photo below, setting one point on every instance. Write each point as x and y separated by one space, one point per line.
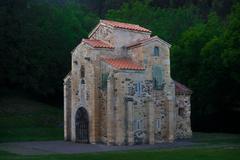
166 23
208 55
37 41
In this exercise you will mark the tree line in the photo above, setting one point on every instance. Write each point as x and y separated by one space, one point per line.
36 39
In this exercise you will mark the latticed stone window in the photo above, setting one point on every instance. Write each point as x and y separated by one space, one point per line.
157 76
104 79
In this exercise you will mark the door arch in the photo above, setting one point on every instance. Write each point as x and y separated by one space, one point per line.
82 125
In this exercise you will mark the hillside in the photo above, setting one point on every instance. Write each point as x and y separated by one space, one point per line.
22 119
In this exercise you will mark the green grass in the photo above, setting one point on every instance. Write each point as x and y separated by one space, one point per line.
22 119
216 138
170 154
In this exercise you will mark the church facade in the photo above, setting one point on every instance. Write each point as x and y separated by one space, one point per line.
120 91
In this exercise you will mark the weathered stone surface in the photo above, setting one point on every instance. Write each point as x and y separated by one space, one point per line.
183 126
124 106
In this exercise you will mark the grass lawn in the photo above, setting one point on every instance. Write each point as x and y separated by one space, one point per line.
22 119
170 154
216 139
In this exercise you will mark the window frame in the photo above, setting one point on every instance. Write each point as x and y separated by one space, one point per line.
181 111
139 124
82 71
158 123
104 78
138 88
157 74
156 51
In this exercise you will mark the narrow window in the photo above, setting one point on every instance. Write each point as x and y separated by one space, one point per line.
157 77
156 51
181 112
104 80
145 60
139 124
82 71
158 124
138 89
82 81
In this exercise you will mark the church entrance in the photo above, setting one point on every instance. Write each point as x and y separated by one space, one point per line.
82 133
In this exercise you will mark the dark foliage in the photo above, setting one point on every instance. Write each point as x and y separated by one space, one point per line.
36 41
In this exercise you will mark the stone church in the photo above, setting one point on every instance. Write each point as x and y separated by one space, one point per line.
120 91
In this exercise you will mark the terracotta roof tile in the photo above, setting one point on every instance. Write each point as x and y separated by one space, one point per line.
125 25
181 89
97 43
140 41
123 63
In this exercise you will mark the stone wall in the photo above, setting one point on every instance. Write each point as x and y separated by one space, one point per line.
129 109
139 91
141 95
104 33
144 54
67 107
103 116
117 37
161 116
183 121
84 89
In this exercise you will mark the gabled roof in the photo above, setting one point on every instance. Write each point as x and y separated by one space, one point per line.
97 43
142 41
181 89
139 41
123 63
125 25
120 25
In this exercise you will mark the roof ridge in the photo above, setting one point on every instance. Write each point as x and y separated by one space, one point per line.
107 20
125 25
97 43
140 41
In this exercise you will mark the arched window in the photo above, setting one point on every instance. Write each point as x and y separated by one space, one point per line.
156 51
82 71
157 76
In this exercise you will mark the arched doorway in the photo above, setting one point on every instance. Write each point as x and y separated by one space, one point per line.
81 121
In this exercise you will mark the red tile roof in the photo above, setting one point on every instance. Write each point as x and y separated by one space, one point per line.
97 43
125 25
140 41
123 63
181 89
